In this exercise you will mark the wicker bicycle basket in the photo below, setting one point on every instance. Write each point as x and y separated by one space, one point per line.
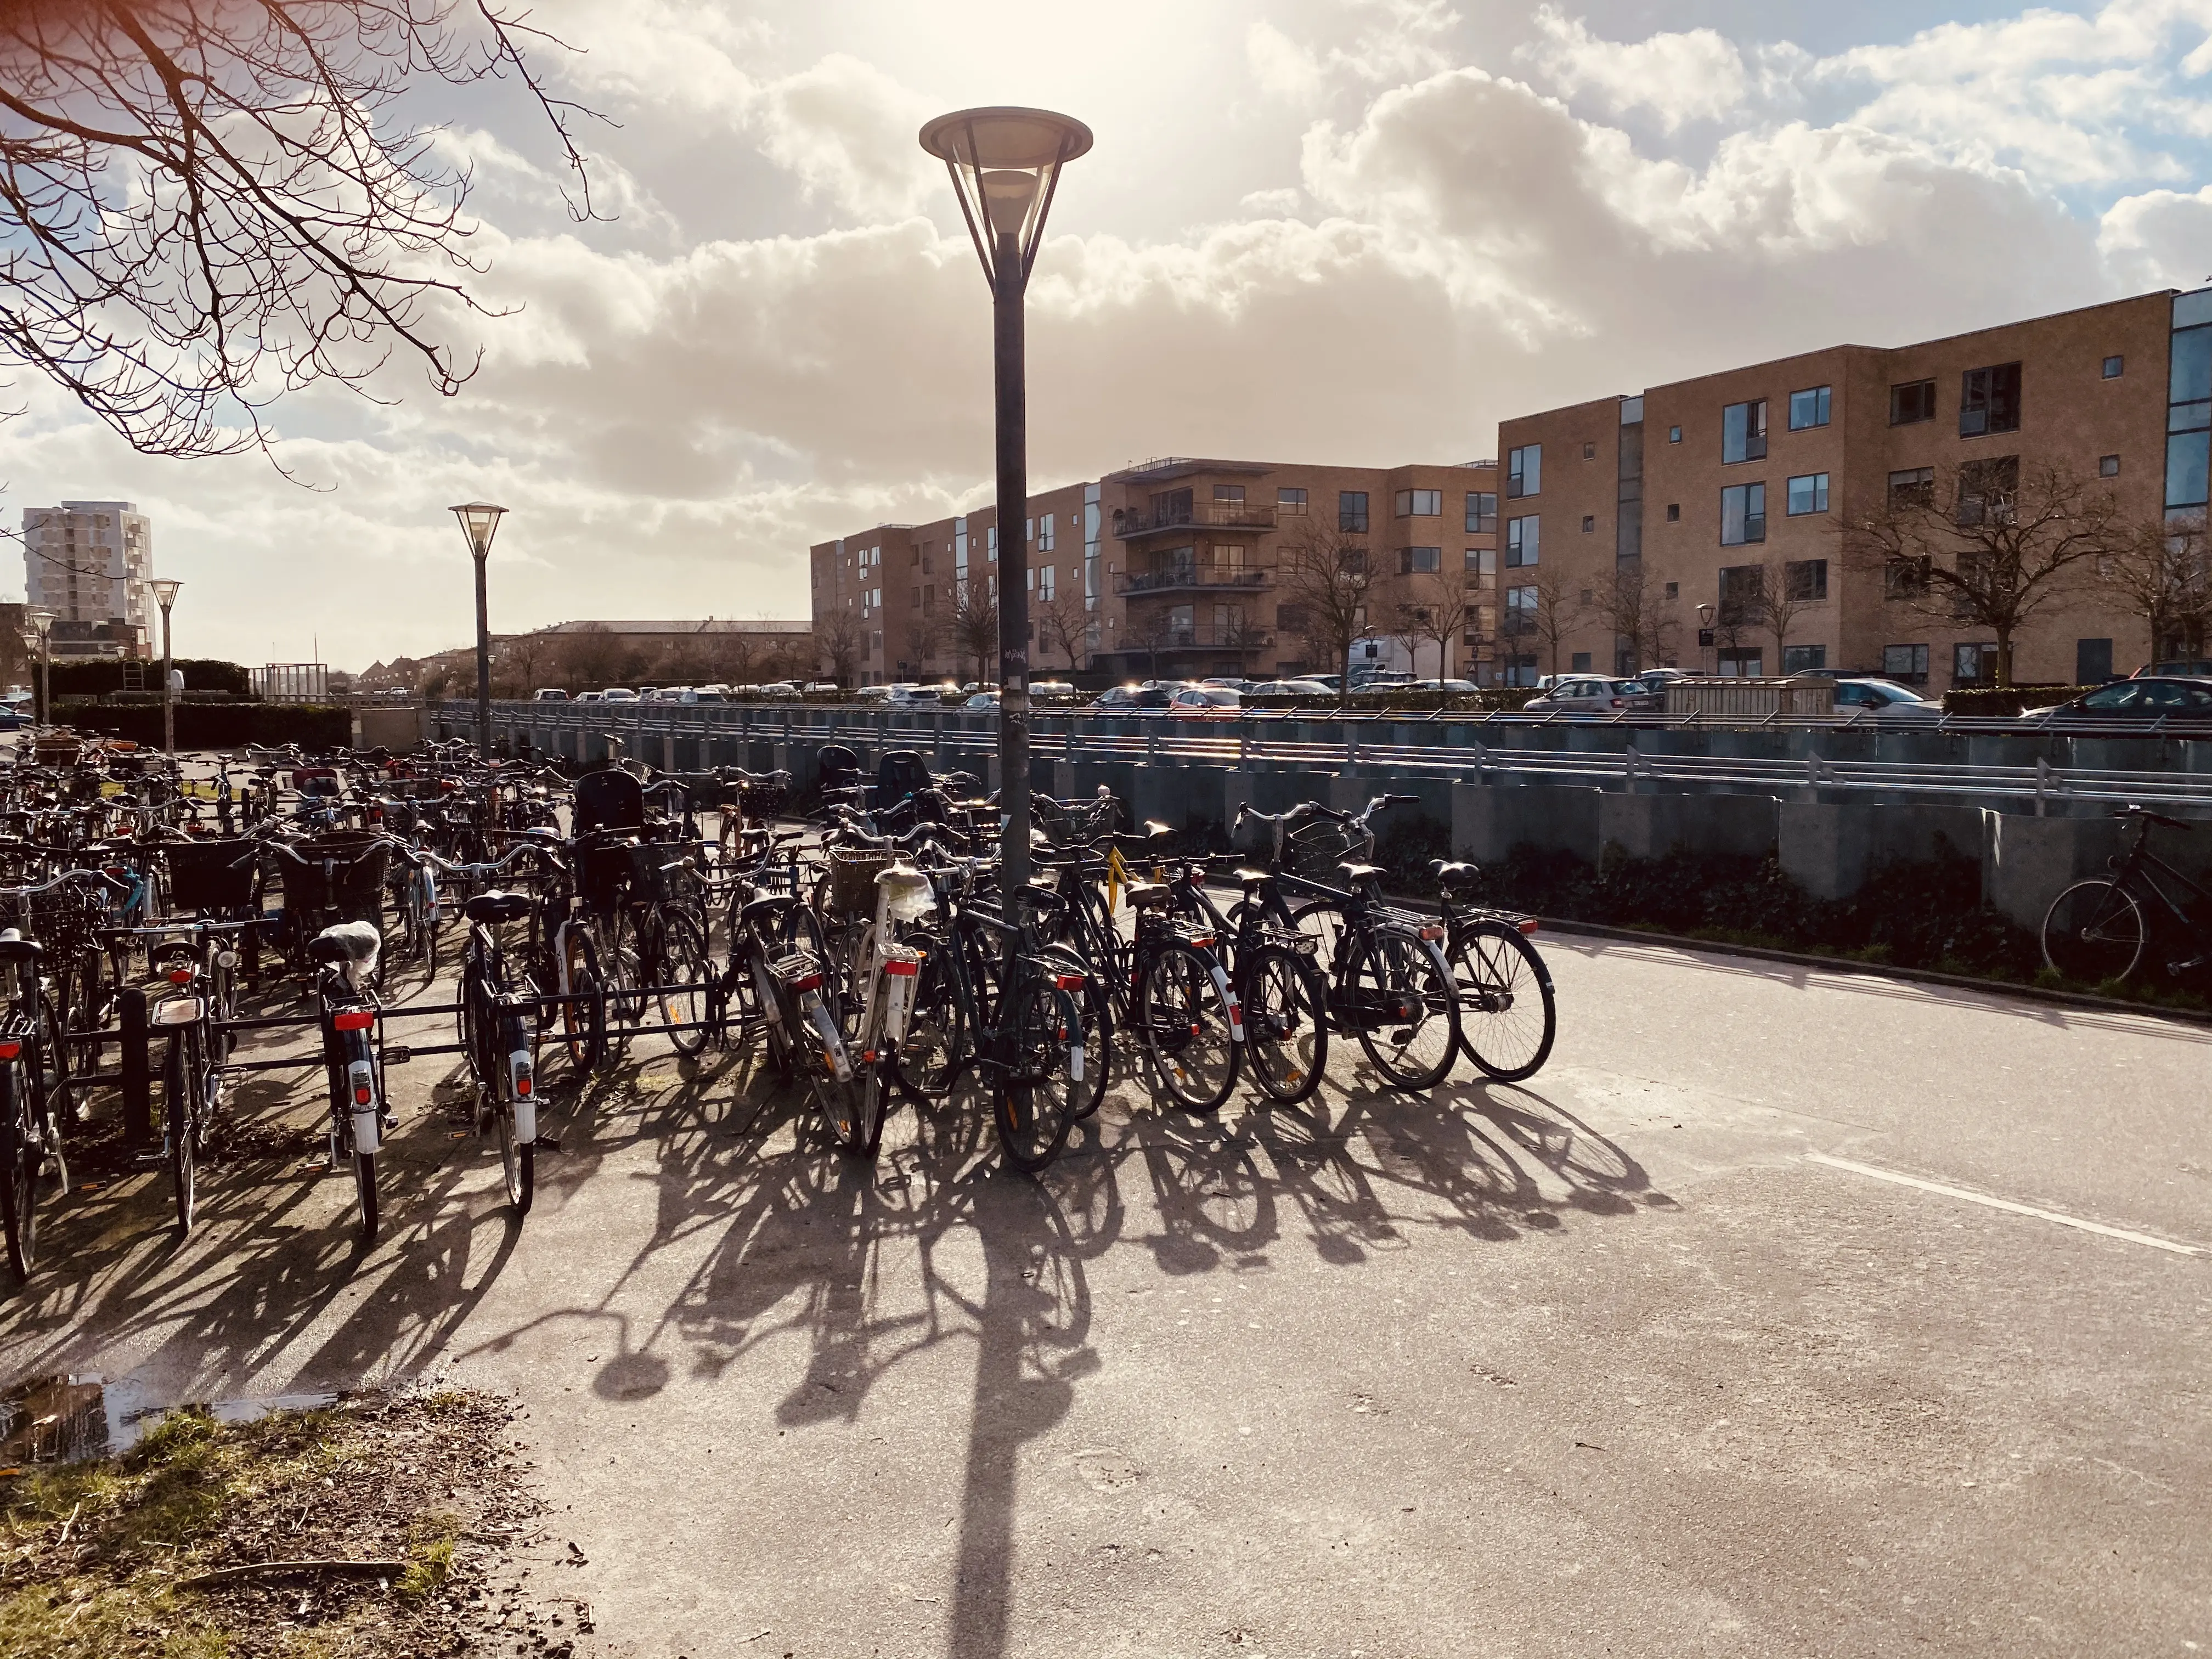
335 873
767 798
1315 847
853 872
60 919
210 875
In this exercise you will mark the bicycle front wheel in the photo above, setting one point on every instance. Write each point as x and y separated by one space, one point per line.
1034 1104
1285 1025
19 1173
1507 1015
1183 1020
518 1162
180 1099
683 968
935 1051
2094 933
1399 994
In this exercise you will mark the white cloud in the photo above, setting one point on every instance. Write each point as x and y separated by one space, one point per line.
847 131
1693 76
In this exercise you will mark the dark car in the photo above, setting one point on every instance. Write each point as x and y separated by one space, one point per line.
2129 701
1133 699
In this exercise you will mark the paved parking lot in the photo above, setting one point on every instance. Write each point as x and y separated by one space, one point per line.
1784 1313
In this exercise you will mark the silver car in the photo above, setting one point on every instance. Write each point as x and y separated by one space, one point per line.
1885 702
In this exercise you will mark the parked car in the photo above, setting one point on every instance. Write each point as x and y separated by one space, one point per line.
1133 699
1590 697
915 696
648 694
2167 670
591 696
1229 683
779 688
1297 688
1886 703
14 719
872 694
548 694
1205 703
1051 689
813 686
2143 699
711 694
619 694
983 702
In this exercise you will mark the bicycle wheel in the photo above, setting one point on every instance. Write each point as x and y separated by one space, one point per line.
1097 1012
1507 1015
364 1180
19 1173
517 1161
683 964
2094 933
584 1017
1322 919
180 1102
1034 1105
871 1066
935 1051
1400 997
1286 1023
1183 1020
619 966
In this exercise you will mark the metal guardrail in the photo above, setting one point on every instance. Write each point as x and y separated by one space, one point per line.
1249 741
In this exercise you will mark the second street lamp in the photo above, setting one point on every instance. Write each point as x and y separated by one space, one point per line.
1005 165
479 523
39 622
165 595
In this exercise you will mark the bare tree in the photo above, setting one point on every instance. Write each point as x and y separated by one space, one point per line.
1990 543
1641 616
974 628
1063 624
1331 591
288 219
590 657
521 660
839 643
924 636
1785 596
2157 570
1434 608
1559 612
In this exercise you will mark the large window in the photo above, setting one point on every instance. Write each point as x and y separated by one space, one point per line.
1481 512
1808 408
1809 493
1805 579
1045 531
1743 595
1521 547
1352 511
1804 658
1988 400
1907 663
1229 495
1974 665
1482 567
1419 560
1419 503
1520 610
1914 400
1290 503
1743 432
1914 487
2189 406
1524 472
1987 490
1743 515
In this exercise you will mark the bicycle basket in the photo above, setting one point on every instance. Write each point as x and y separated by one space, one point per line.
343 872
210 875
1315 847
603 869
853 872
765 798
60 919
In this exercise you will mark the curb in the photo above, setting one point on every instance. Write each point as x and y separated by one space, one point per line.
1880 970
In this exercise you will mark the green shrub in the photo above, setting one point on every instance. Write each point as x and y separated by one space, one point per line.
214 725
2000 701
97 679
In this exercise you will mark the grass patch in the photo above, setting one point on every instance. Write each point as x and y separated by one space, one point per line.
431 1555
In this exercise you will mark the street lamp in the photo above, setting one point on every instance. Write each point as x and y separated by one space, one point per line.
1705 636
165 595
479 523
38 635
1006 166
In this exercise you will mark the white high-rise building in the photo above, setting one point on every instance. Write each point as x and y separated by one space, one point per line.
89 563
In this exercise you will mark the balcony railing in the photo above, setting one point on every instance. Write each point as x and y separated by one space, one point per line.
1200 636
1191 575
1133 521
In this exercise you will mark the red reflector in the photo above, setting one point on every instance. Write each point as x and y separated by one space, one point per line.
1069 982
362 1095
904 969
354 1019
180 976
10 1050
116 871
522 1084
1432 933
1206 943
811 983
1528 924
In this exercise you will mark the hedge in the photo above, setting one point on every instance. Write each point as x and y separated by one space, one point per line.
214 724
2001 700
94 679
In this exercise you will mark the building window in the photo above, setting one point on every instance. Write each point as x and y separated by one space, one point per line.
1987 490
2108 466
1743 432
1674 513
1517 671
1915 400
1520 610
1520 546
1808 408
1673 590
1743 515
2114 367
1230 495
1741 663
1419 503
1804 658
1974 665
1482 566
1904 579
1045 579
1481 513
1524 472
1589 523
1805 579
1743 594
1352 511
1590 452
1673 435
1809 493
1988 400
1419 560
1581 664
2093 661
1291 503
1913 486
1045 534
1292 618
1907 663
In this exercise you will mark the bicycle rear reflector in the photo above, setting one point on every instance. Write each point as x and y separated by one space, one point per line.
354 1019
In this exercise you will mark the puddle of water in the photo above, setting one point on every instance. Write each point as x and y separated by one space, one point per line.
71 1416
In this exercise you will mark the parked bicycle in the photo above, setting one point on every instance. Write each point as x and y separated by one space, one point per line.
2098 932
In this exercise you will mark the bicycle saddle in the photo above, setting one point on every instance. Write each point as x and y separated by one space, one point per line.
497 907
357 942
1453 871
14 947
1147 895
1356 872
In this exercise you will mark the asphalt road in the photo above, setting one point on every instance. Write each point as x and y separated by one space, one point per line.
1758 1324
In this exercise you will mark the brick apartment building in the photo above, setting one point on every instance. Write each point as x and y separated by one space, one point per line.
1168 569
1710 492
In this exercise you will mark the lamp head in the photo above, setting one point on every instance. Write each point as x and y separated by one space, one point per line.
479 523
165 590
1005 164
1705 616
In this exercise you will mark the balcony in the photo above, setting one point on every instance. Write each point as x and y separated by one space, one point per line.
1134 523
1171 577
1197 637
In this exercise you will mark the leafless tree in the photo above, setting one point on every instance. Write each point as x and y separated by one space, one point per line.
1560 612
924 637
1434 608
974 628
1990 543
1641 616
2158 570
1063 624
840 642
1781 601
520 663
289 218
1330 590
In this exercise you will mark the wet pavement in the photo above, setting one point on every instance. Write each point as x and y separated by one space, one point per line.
1784 1313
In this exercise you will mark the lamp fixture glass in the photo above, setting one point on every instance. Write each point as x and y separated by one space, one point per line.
1006 164
479 523
165 590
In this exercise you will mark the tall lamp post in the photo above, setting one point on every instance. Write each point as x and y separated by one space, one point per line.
38 631
165 595
479 523
1006 166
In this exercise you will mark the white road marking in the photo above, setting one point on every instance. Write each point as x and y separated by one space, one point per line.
2062 1219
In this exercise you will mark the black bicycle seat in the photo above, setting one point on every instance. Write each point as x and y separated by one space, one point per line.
1356 872
1453 870
495 906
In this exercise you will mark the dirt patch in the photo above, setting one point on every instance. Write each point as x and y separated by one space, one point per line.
386 1524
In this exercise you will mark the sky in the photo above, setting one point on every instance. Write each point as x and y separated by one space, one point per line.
1357 231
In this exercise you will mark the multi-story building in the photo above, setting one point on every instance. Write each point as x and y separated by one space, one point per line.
1177 567
1717 522
90 562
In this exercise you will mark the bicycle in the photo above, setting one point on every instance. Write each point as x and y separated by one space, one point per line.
196 1011
2097 931
1500 976
34 1082
499 1037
